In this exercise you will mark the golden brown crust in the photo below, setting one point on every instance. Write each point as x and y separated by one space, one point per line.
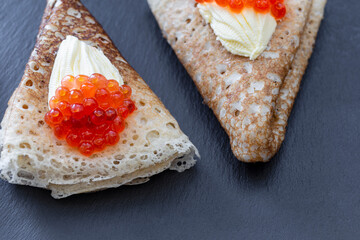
242 93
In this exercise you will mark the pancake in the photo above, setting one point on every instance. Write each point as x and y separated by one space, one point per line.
251 99
31 155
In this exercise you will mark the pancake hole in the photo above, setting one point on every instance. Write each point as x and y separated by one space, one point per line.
25 145
33 133
25 174
119 157
143 121
40 157
42 174
170 125
152 135
170 146
237 113
29 83
103 39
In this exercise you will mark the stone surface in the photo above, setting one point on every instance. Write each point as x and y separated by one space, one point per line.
309 190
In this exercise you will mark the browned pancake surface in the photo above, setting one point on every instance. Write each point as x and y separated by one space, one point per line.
245 95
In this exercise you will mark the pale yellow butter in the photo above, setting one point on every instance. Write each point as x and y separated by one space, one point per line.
246 34
75 57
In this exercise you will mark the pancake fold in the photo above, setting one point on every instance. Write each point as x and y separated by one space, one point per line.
251 99
31 155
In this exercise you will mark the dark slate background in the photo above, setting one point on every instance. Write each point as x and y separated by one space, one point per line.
310 189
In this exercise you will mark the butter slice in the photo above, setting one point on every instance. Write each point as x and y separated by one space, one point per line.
75 57
246 34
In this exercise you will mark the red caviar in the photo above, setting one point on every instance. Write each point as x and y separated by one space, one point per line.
262 6
236 5
89 112
274 1
76 96
88 89
278 10
249 3
222 3
276 7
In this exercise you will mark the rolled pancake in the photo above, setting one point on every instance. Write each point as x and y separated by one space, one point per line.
251 99
151 142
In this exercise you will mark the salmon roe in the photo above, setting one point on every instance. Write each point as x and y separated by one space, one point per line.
276 7
89 112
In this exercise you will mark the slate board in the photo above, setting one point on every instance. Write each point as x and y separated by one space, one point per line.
310 189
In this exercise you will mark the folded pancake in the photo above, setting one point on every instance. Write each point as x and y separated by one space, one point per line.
252 99
31 155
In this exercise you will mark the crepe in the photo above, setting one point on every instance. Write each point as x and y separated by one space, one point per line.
251 99
151 142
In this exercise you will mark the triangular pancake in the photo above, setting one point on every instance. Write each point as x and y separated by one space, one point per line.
251 99
151 143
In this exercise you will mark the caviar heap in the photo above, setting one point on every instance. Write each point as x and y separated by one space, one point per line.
89 112
276 7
